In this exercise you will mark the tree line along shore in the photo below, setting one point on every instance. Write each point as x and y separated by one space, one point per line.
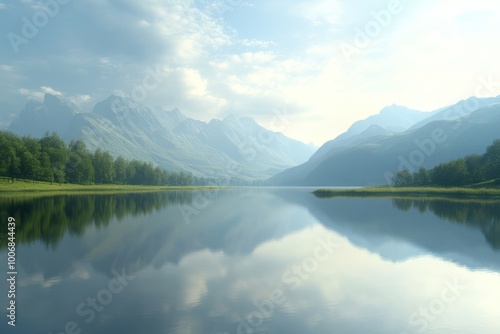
49 159
471 176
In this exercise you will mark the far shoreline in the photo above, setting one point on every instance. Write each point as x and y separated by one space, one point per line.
455 192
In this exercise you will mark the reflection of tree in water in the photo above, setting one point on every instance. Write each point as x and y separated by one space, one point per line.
483 214
49 218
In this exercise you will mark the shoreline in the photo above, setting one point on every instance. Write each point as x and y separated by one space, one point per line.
415 192
29 188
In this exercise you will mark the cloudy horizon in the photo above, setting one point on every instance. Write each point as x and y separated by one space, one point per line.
320 65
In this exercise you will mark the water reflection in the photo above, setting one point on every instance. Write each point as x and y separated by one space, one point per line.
426 227
49 218
484 214
254 261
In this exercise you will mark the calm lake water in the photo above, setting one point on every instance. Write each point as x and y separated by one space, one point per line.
252 261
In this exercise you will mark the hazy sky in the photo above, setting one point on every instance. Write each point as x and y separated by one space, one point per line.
306 68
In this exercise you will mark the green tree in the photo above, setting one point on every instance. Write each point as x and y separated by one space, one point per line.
402 179
56 150
29 165
46 173
131 171
148 174
30 158
104 171
10 162
453 173
120 166
421 177
492 160
475 168
79 168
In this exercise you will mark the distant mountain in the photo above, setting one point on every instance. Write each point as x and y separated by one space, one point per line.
53 114
370 157
390 120
394 118
458 110
233 147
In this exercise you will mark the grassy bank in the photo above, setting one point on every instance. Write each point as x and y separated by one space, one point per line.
409 192
19 188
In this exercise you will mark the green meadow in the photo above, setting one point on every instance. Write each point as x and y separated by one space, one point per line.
25 187
409 192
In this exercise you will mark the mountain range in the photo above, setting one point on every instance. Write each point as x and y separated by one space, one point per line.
368 153
232 148
372 150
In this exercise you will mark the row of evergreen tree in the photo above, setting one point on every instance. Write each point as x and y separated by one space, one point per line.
50 159
460 172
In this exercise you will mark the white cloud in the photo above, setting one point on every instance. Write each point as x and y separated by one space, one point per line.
50 90
81 99
38 94
195 85
430 55
318 11
32 94
257 43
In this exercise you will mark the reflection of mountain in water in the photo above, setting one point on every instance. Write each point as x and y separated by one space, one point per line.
48 218
482 214
137 230
378 224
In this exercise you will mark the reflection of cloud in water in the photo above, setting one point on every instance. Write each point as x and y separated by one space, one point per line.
379 225
38 279
208 276
354 290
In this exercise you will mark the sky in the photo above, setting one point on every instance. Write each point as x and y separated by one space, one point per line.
308 69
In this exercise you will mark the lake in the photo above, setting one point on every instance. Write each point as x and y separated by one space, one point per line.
252 260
